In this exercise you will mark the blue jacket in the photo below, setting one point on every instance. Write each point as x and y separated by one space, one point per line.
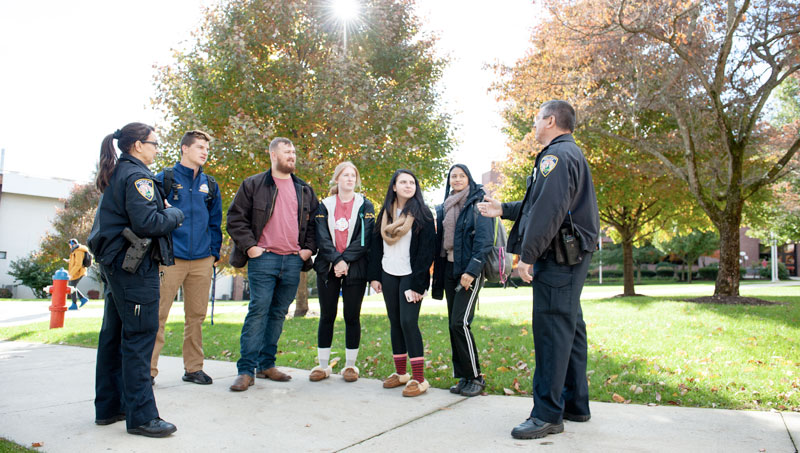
200 235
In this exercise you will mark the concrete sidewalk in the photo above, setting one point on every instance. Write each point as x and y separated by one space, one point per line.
48 391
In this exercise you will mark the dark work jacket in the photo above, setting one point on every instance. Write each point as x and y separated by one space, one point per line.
133 199
472 241
252 207
200 235
423 245
550 194
362 223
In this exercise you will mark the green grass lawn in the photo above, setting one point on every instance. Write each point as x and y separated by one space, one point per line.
644 350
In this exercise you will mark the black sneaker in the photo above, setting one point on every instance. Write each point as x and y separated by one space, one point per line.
474 387
533 428
198 377
460 385
576 417
154 428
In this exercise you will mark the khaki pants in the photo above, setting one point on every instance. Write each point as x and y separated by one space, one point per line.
195 276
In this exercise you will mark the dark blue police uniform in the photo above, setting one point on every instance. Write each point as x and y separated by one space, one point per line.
559 193
130 321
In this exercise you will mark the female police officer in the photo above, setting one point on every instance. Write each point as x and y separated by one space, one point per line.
130 200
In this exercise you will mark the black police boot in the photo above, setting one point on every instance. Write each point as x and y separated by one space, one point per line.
474 387
533 428
460 385
576 417
108 421
154 428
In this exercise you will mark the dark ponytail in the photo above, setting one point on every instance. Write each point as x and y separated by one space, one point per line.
126 137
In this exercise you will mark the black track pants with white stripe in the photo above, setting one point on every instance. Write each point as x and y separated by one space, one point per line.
460 310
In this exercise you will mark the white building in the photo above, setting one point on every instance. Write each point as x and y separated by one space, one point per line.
28 205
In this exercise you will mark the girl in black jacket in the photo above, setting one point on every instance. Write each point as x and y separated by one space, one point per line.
400 259
463 240
344 224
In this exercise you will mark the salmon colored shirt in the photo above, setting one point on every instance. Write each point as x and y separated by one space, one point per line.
281 235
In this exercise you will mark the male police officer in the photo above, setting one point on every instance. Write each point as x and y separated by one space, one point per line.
555 230
196 244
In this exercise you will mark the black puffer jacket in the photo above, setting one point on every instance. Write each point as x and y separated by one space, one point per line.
362 223
472 240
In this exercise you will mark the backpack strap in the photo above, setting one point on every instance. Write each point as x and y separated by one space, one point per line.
213 189
169 181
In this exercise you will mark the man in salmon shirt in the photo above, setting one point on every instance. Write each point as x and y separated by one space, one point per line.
271 223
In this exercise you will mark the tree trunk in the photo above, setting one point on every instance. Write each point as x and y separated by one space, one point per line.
301 299
727 283
689 274
627 266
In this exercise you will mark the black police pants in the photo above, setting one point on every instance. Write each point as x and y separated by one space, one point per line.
460 311
352 296
125 347
559 336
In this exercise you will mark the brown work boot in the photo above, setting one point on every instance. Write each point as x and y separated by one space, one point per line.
274 374
395 380
242 383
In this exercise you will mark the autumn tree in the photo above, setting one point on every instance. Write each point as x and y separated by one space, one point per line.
74 220
689 247
707 67
634 196
258 69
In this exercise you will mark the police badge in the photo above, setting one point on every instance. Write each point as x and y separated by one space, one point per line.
547 164
145 188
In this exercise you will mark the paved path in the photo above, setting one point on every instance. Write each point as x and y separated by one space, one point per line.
48 390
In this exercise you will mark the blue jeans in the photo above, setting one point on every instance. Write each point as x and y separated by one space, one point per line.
273 285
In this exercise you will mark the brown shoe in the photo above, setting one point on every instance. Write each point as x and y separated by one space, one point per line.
274 374
415 388
395 380
242 383
318 374
350 374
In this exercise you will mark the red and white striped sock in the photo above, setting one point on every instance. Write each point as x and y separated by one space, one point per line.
400 363
417 366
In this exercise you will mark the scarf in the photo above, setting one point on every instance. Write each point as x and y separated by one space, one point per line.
392 232
452 208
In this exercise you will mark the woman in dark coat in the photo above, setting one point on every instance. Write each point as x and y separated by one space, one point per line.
463 241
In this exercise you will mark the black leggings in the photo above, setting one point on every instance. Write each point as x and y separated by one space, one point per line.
403 316
352 296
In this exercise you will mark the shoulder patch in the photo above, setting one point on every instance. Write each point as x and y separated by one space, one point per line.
547 164
203 188
145 188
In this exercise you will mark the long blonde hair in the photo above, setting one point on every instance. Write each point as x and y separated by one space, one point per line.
334 185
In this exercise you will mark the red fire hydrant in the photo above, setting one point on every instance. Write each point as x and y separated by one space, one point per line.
58 303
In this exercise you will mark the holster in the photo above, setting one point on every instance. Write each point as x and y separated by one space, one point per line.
136 251
566 247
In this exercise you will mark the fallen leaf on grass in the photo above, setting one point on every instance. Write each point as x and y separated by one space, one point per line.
37 444
618 398
508 391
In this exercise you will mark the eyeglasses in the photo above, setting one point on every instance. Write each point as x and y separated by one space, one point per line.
156 144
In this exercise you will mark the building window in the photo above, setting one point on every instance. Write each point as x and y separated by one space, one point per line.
2 255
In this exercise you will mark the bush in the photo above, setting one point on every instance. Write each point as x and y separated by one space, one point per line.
709 272
766 272
648 273
665 271
32 274
5 293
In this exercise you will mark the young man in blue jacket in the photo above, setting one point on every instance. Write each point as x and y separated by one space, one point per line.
196 243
